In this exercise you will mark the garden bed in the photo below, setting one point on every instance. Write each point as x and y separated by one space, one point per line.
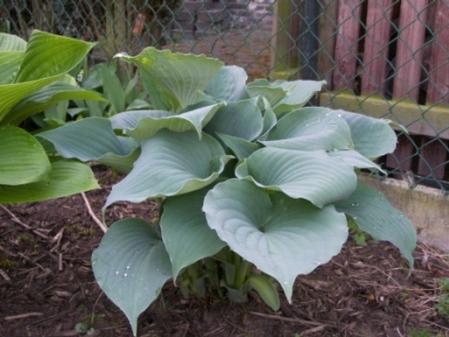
47 287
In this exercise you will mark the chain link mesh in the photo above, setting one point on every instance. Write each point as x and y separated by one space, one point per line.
385 58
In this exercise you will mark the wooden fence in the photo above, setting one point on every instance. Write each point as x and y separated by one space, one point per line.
390 59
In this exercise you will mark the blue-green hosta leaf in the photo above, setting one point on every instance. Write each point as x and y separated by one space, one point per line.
92 139
228 84
185 232
310 175
54 116
372 137
374 215
242 148
263 88
112 88
131 266
22 158
9 42
269 117
49 55
47 97
143 124
73 112
65 178
138 104
298 94
285 96
310 129
174 80
241 119
283 237
171 164
120 163
10 62
355 159
93 78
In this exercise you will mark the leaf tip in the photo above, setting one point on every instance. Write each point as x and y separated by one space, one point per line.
124 55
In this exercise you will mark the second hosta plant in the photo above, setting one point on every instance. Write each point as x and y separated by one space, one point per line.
255 188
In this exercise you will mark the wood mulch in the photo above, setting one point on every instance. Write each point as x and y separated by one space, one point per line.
47 287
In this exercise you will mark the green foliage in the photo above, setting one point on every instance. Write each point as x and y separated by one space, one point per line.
117 93
443 300
444 285
35 77
359 237
443 305
255 187
423 333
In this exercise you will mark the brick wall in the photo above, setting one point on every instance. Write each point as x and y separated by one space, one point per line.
203 17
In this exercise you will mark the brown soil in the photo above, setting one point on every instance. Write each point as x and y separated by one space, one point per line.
47 287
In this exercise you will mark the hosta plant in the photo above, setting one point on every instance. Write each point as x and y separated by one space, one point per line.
34 76
255 188
119 93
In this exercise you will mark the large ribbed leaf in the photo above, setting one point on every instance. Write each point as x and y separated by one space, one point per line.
242 148
372 137
131 266
310 175
374 215
269 117
22 158
174 80
241 119
10 62
9 42
283 237
143 124
65 178
355 159
310 129
11 94
49 55
47 58
171 164
120 163
228 84
185 232
91 139
285 96
93 79
112 88
47 97
298 94
263 88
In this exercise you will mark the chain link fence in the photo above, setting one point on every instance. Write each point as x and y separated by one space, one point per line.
384 58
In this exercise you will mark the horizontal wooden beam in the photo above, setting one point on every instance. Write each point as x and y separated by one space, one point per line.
427 120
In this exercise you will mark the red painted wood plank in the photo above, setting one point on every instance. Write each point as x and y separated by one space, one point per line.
376 46
438 87
410 48
348 20
432 158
